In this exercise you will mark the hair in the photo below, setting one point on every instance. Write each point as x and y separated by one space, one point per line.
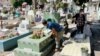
44 22
81 10
49 20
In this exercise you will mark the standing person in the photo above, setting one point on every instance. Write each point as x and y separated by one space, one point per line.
61 12
57 32
39 12
38 19
1 22
80 19
30 15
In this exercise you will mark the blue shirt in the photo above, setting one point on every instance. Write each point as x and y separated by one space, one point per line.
56 26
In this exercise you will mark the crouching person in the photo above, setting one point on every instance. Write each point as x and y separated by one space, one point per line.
57 32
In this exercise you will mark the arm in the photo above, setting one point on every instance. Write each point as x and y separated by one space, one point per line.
74 18
54 32
85 19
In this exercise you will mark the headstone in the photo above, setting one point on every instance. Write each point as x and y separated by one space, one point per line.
23 27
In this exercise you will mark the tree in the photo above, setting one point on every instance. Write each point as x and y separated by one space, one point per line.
29 2
80 2
18 3
43 1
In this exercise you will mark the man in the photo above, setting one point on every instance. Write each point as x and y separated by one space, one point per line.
80 19
57 32
38 18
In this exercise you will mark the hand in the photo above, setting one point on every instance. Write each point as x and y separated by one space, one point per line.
53 33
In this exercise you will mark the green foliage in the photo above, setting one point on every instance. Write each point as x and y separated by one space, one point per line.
80 2
16 4
12 1
35 37
19 3
61 5
29 2
43 1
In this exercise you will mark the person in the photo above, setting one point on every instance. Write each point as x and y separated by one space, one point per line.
57 32
66 27
52 9
1 24
61 12
38 18
17 12
39 12
87 29
30 14
5 15
80 20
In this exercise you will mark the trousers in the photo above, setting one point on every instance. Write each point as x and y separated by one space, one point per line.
58 38
80 28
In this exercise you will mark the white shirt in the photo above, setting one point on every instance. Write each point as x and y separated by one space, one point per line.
61 12
40 13
31 13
